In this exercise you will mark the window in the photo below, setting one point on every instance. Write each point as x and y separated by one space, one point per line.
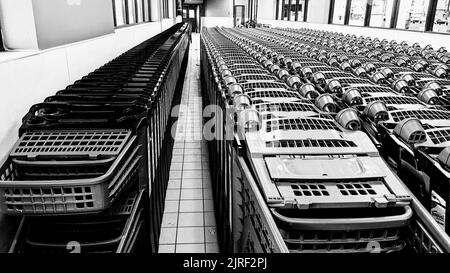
191 13
146 10
285 10
2 47
165 9
119 12
179 8
339 11
140 11
416 15
357 12
300 10
292 10
131 11
128 12
442 17
412 14
381 13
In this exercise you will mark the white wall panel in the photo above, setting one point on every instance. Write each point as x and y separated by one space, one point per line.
217 21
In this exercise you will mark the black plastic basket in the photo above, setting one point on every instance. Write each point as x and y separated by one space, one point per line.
115 231
61 187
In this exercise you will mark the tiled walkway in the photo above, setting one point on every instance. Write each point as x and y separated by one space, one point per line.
189 223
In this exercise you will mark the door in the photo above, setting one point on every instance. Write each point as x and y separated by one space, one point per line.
239 15
190 16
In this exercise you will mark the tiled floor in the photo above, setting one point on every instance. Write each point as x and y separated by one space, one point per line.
189 224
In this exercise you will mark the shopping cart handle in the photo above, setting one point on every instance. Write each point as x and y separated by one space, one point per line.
346 223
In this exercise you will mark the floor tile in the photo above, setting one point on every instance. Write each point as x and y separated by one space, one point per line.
197 174
166 249
209 205
207 193
193 158
191 206
171 206
206 174
210 234
206 183
175 174
176 166
191 194
168 236
212 248
179 145
210 219
170 220
196 151
192 166
190 235
190 248
174 184
178 151
172 194
191 219
177 158
192 184
191 145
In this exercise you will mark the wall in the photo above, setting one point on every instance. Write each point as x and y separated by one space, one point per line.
267 9
318 11
217 21
218 8
28 80
62 22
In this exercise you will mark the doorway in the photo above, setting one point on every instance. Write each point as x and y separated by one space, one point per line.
239 15
190 16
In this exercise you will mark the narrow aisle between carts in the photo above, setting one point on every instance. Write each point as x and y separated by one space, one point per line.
189 223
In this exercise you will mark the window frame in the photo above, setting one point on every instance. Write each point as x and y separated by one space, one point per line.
433 8
2 46
165 9
126 14
281 7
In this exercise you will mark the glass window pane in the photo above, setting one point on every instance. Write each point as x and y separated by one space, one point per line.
2 48
442 19
339 11
140 11
146 11
293 10
119 12
191 13
131 12
381 13
412 14
301 10
285 14
357 12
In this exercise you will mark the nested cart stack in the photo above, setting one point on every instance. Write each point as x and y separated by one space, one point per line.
307 169
90 169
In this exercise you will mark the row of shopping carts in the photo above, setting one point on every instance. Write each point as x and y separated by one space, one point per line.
308 119
90 169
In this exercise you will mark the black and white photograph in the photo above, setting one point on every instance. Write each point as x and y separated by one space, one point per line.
214 135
